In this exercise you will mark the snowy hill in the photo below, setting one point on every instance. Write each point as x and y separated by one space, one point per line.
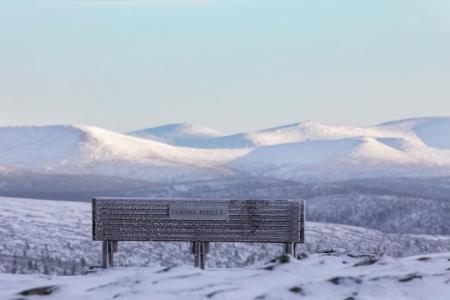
54 237
307 151
332 160
42 236
302 132
92 150
432 131
293 133
420 129
185 135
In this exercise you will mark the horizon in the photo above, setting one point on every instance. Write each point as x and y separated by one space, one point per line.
155 126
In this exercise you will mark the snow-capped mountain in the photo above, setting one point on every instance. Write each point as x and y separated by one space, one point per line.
401 148
431 131
180 134
92 150
307 151
293 133
345 159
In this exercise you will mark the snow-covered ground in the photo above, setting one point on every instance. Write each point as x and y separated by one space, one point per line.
43 236
327 276
44 241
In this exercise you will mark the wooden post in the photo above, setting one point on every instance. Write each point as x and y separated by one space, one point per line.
195 250
111 254
200 249
107 254
105 259
204 247
289 249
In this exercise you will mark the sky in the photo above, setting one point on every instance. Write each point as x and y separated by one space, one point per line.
226 64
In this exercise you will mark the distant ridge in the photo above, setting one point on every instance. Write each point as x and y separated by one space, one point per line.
80 149
431 131
180 134
305 151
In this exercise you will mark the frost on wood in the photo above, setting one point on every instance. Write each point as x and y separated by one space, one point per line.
273 221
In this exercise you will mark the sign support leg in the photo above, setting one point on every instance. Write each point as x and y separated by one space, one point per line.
194 251
107 254
204 249
289 249
110 254
199 250
105 259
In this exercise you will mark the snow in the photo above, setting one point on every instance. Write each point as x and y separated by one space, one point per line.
293 133
180 134
320 276
301 151
310 130
46 147
344 261
85 149
435 134
432 131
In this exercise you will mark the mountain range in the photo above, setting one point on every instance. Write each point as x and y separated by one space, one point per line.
305 152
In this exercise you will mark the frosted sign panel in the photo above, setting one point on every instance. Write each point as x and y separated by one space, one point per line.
196 212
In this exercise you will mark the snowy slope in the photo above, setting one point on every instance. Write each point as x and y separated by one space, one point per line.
432 131
321 276
344 159
180 134
316 151
42 236
302 132
83 149
293 133
313 151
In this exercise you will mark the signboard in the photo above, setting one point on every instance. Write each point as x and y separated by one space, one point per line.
198 212
216 220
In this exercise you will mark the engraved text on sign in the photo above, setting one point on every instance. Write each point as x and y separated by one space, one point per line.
197 212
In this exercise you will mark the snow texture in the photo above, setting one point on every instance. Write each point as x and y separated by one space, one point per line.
321 276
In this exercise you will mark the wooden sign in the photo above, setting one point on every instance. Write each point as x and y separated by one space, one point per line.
198 221
126 219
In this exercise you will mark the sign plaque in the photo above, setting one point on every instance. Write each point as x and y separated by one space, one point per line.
198 212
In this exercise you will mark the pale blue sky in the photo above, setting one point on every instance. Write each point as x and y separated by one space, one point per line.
231 65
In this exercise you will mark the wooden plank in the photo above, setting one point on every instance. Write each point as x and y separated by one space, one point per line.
219 239
149 219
